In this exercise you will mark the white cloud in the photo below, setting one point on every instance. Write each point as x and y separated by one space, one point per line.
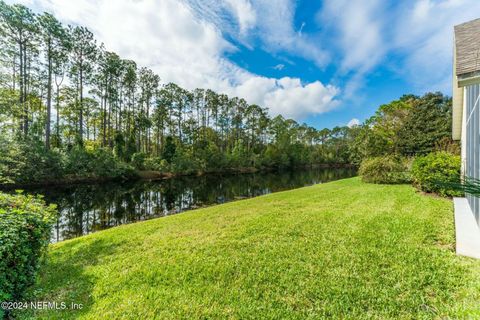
357 26
277 32
428 43
169 37
270 22
288 96
355 29
279 66
245 14
354 122
418 33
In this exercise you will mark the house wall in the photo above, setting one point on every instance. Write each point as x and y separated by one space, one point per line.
463 140
458 101
472 167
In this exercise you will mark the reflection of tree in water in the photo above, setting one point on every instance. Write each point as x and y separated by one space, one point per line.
88 208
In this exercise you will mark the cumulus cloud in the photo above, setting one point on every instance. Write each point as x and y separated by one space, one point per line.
289 96
171 38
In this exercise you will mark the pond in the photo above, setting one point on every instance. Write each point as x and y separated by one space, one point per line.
88 208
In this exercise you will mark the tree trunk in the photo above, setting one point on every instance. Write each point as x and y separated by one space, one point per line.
104 122
80 118
25 104
57 127
49 99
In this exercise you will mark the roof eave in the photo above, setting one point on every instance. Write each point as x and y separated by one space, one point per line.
468 79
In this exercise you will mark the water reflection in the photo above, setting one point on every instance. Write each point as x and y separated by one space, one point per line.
89 208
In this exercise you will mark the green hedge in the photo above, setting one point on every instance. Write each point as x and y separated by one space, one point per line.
25 226
436 171
386 169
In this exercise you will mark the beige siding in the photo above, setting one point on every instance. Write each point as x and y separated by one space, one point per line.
457 102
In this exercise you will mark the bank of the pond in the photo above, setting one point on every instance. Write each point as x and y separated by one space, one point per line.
343 249
157 175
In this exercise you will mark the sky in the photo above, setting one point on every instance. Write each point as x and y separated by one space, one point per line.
326 63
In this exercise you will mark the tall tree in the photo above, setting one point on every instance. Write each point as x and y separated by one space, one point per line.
55 41
148 83
18 23
129 81
83 56
429 121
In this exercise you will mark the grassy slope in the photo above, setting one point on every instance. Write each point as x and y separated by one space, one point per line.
342 249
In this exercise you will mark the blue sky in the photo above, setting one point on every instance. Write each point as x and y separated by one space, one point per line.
325 63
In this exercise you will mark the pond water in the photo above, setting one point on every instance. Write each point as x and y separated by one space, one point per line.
88 208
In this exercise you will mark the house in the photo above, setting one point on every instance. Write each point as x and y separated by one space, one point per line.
466 128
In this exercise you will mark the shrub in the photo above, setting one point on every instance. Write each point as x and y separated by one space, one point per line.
27 161
433 173
386 169
138 160
183 162
78 161
25 225
105 165
99 163
157 164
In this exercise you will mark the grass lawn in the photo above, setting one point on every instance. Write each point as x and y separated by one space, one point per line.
339 250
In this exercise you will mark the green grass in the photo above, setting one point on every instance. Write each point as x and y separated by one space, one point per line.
339 250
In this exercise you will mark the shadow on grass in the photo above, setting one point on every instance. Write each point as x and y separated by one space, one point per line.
64 278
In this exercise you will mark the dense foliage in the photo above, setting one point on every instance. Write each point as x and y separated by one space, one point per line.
408 127
427 124
435 171
27 161
385 169
62 88
25 224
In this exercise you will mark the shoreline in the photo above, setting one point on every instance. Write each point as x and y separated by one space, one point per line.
150 175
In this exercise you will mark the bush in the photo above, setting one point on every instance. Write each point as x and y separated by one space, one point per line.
78 161
105 165
25 225
99 163
138 160
183 162
27 161
157 164
386 169
433 173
